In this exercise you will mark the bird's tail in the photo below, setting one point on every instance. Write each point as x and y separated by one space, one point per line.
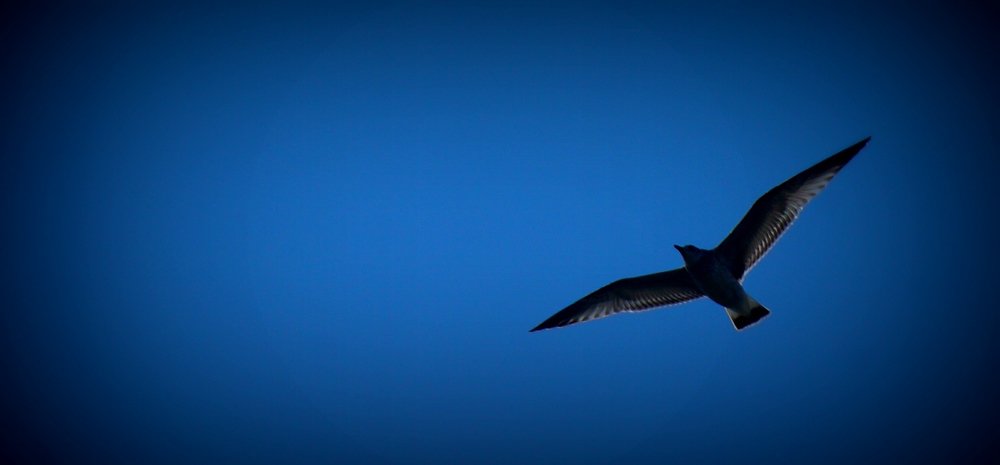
754 313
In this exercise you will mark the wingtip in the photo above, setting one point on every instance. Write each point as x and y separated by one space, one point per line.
860 144
543 326
552 322
547 325
842 157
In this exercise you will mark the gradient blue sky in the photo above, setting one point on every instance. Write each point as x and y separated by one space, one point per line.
303 234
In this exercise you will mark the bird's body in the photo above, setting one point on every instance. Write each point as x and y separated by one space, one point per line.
713 277
715 273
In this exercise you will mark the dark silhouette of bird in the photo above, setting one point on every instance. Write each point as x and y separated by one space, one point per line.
715 273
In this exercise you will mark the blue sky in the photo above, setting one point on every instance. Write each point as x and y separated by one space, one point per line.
317 234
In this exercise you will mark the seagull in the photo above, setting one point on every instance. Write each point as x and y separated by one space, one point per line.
715 273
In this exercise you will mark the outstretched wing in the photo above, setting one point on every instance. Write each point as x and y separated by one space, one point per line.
628 295
775 211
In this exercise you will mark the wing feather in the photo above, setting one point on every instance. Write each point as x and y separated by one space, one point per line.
628 295
772 214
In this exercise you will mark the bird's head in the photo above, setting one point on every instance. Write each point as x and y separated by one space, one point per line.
689 253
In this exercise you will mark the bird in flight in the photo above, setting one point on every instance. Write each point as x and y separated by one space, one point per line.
715 273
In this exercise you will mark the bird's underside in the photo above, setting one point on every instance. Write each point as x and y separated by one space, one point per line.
718 272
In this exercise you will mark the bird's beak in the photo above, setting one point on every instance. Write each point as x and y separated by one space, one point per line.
677 247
